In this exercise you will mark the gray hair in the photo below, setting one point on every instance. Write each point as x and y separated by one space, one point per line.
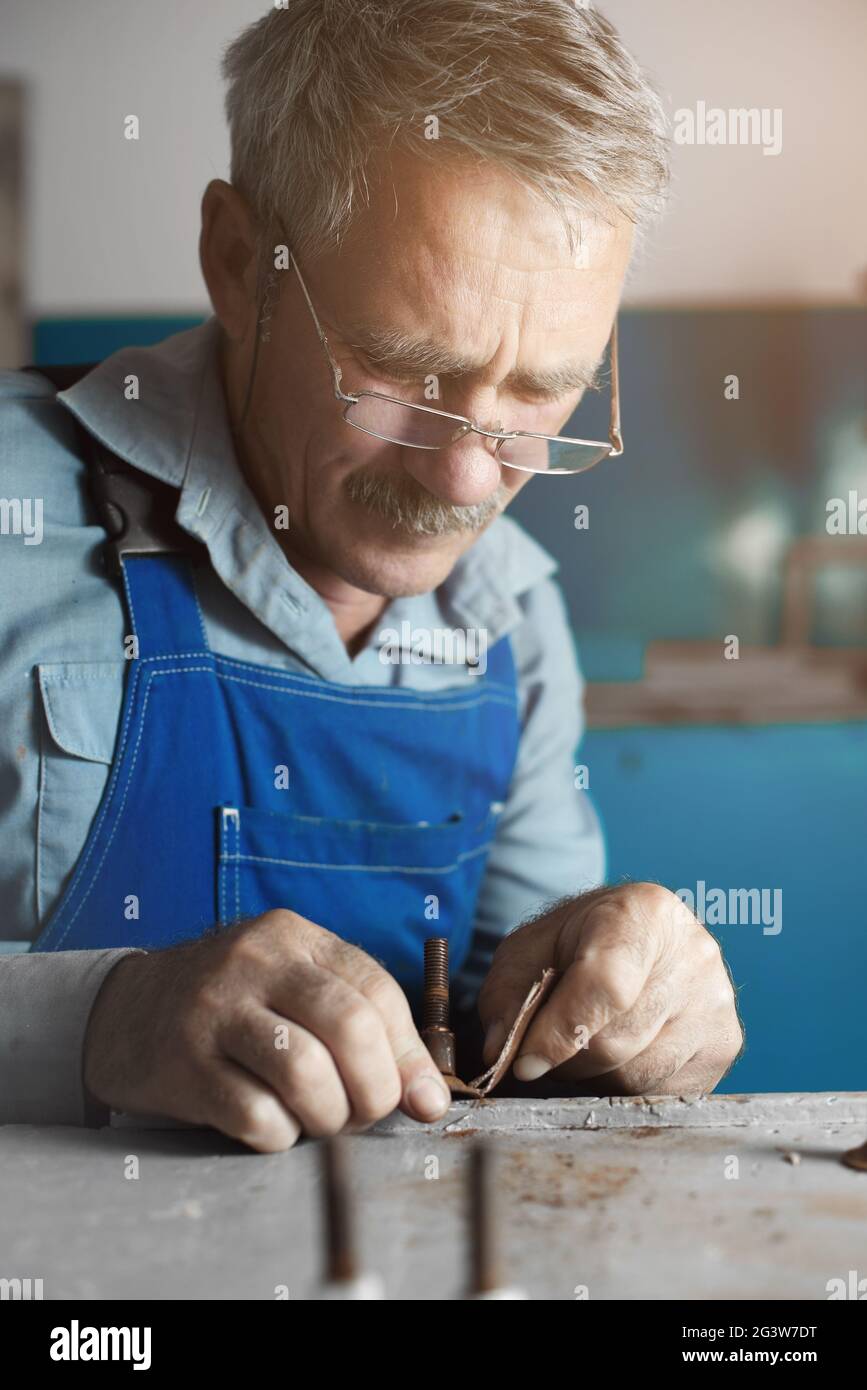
542 88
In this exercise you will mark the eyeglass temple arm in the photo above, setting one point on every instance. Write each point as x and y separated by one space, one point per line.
336 371
614 435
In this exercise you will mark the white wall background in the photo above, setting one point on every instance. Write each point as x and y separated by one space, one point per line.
113 224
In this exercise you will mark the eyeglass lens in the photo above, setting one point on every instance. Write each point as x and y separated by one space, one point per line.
401 424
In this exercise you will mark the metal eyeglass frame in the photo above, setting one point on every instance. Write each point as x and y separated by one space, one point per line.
614 445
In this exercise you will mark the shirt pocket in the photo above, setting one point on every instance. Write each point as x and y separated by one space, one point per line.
81 704
382 886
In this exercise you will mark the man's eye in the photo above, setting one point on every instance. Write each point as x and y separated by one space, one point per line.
540 400
383 373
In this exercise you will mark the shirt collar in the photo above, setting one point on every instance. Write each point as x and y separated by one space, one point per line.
178 430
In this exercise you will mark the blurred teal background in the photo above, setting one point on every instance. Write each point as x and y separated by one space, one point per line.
686 541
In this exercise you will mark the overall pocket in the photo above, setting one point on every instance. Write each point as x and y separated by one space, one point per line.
382 886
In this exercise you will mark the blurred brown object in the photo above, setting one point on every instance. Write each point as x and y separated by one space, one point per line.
794 682
856 1158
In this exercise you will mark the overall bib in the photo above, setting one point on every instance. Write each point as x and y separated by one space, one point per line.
236 788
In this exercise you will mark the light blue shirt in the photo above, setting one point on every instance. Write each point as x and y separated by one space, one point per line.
62 667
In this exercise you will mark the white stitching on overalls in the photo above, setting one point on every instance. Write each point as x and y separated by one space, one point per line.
479 697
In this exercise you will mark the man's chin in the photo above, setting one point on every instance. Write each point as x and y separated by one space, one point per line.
403 567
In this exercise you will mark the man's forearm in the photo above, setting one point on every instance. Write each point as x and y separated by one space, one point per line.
45 1004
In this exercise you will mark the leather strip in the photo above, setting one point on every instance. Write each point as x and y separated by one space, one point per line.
482 1085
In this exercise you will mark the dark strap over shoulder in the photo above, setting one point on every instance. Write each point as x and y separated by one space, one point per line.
137 511
64 376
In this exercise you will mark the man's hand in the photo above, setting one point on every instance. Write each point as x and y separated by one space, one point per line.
644 1003
273 1028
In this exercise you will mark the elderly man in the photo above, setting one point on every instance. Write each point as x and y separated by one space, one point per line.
241 785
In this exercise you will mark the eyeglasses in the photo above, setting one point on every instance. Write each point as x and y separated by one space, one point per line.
423 427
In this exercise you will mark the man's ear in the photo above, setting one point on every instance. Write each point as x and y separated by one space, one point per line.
227 253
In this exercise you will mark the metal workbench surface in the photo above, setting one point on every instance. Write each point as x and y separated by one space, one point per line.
630 1198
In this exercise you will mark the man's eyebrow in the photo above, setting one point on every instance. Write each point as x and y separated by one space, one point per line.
407 355
569 376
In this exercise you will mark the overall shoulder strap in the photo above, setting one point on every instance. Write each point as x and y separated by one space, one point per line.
137 511
501 663
64 376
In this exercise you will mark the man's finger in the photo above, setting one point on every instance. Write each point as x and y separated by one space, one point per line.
362 1015
614 957
351 1029
625 1039
240 1105
711 1057
653 1070
701 1074
295 1064
424 1094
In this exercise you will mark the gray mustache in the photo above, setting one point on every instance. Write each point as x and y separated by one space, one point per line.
410 508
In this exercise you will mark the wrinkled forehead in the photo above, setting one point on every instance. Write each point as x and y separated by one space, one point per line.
467 251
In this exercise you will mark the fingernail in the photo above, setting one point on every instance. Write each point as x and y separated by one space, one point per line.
494 1039
428 1097
272 1128
531 1066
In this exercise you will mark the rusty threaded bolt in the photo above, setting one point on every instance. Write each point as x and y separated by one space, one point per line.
339 1235
435 1031
484 1274
436 983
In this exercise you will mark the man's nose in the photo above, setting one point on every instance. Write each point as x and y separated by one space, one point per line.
466 472
463 474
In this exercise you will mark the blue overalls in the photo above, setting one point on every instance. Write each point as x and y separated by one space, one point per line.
236 788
